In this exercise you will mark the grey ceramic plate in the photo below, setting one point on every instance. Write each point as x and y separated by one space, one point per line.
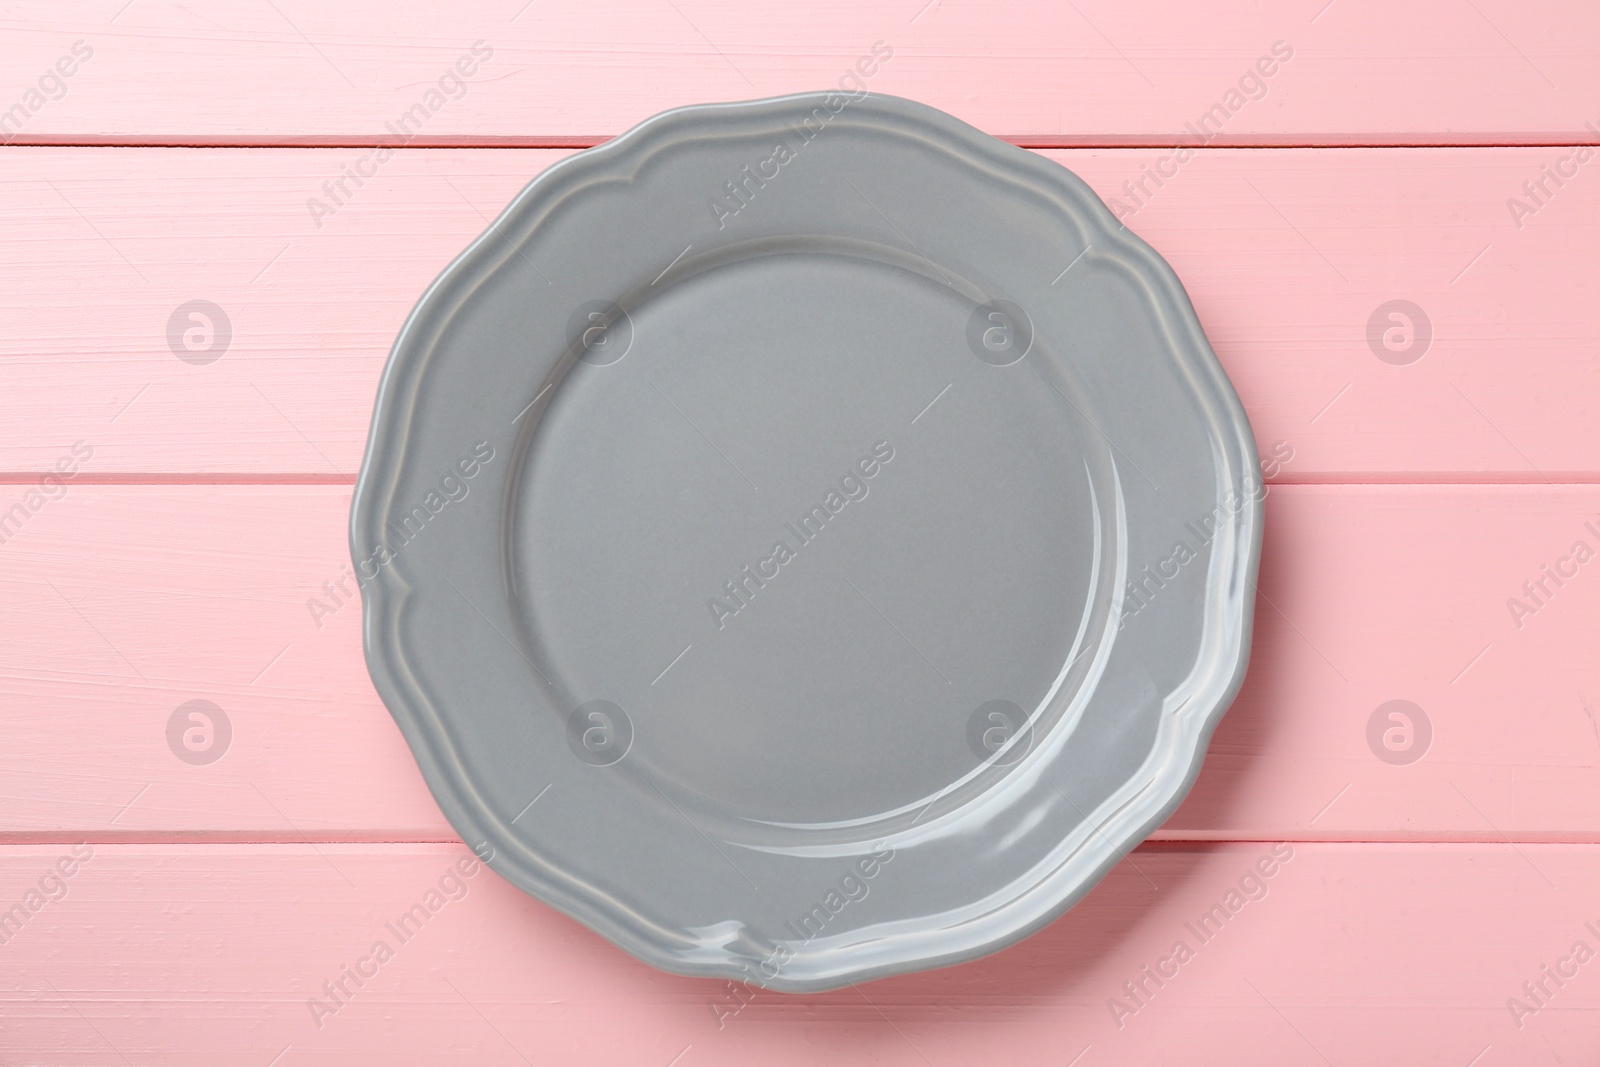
807 540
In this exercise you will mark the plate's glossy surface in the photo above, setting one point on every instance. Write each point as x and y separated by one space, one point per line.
807 540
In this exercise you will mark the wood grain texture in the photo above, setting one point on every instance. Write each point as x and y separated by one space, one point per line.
1346 954
1417 505
295 71
131 600
1287 255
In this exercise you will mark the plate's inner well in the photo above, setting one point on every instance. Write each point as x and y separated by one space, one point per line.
823 540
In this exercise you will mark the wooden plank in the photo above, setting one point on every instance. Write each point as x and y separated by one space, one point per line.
1347 953
184 593
1374 594
126 602
1287 254
295 71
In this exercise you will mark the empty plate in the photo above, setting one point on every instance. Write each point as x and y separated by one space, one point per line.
807 540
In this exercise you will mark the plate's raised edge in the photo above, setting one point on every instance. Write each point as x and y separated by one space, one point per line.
383 463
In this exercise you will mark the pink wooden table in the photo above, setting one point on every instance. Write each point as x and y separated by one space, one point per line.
174 493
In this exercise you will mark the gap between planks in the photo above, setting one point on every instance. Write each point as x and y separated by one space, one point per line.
1177 841
1029 141
1427 479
